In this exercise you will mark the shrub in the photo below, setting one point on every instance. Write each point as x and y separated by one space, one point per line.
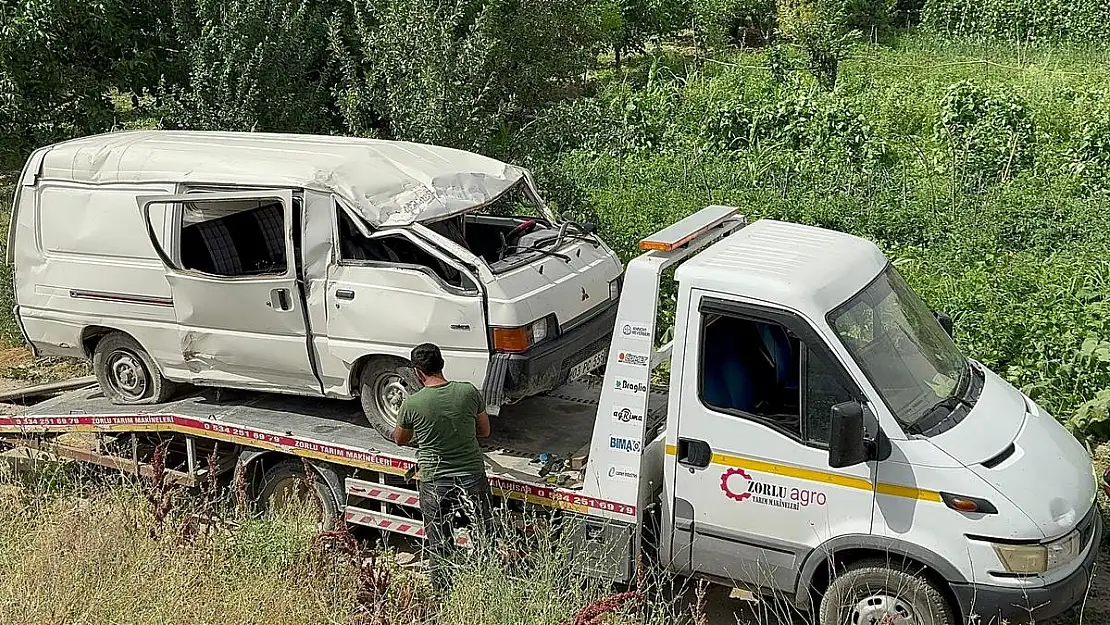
252 65
795 16
1021 19
804 121
455 72
988 133
60 58
1089 155
734 22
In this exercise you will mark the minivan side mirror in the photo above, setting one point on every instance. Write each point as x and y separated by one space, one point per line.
945 321
847 446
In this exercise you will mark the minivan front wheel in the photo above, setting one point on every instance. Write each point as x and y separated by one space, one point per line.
384 386
127 374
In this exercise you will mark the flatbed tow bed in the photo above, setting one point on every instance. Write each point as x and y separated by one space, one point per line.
558 425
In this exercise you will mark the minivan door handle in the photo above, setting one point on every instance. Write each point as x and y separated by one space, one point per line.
694 453
344 294
280 300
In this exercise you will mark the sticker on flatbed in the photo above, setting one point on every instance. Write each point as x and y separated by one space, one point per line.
636 330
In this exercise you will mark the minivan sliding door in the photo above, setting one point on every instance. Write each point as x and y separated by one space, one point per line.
230 263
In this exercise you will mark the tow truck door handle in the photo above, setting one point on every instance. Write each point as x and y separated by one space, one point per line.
345 294
694 453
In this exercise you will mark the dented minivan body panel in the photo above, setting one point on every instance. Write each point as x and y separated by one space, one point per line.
285 263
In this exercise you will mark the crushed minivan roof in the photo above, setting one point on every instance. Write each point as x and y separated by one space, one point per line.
388 182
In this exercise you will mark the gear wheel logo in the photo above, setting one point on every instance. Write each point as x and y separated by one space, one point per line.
734 494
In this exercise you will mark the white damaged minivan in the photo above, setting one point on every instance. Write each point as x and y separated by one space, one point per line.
302 264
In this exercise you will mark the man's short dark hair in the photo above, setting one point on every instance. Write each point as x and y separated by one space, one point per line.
427 358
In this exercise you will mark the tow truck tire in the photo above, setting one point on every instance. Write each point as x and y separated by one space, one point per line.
282 478
384 383
127 374
868 591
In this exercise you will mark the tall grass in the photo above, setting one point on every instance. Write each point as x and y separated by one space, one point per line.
77 550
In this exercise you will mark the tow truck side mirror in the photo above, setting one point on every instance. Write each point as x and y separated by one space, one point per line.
847 447
945 321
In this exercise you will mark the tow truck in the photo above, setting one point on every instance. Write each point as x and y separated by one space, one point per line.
820 438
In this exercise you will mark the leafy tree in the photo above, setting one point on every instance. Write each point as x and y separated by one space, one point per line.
455 72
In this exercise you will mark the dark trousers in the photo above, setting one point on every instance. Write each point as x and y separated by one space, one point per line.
439 500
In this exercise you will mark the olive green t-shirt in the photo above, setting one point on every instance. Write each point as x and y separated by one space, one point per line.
444 421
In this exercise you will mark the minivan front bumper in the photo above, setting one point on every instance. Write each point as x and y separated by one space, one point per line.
547 365
993 604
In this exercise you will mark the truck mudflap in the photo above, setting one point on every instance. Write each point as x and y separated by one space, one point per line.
607 548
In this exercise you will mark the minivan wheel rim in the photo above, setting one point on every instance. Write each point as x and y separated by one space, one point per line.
127 374
882 609
389 393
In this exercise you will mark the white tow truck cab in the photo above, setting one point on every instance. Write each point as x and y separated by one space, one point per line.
822 440
301 264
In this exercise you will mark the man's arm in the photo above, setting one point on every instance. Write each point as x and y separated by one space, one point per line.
483 429
482 418
402 432
402 436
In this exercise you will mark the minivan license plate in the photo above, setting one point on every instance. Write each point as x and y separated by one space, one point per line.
586 366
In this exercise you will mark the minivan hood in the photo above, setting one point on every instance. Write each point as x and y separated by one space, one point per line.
991 425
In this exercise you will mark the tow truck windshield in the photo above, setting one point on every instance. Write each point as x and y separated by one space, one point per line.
905 353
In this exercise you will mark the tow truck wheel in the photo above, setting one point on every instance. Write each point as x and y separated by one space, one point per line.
384 385
285 485
880 593
127 374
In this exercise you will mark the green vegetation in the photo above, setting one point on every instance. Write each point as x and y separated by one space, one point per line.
82 551
981 165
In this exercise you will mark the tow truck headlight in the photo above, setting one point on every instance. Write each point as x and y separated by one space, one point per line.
1023 559
1036 559
1064 550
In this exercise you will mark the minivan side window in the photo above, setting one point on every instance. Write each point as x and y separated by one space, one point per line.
234 239
395 249
760 370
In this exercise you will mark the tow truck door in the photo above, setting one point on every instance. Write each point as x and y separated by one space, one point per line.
753 492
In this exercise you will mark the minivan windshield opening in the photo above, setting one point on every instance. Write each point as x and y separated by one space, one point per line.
902 349
508 231
395 249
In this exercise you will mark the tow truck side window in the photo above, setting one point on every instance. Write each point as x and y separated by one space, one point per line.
760 370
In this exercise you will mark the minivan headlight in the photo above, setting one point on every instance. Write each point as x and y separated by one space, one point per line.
522 338
1036 559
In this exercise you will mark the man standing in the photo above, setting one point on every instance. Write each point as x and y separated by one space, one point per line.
445 420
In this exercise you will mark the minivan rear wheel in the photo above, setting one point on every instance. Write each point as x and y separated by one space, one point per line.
127 374
384 385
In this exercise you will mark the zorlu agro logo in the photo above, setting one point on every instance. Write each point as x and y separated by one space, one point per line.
636 360
624 384
739 485
624 444
627 415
